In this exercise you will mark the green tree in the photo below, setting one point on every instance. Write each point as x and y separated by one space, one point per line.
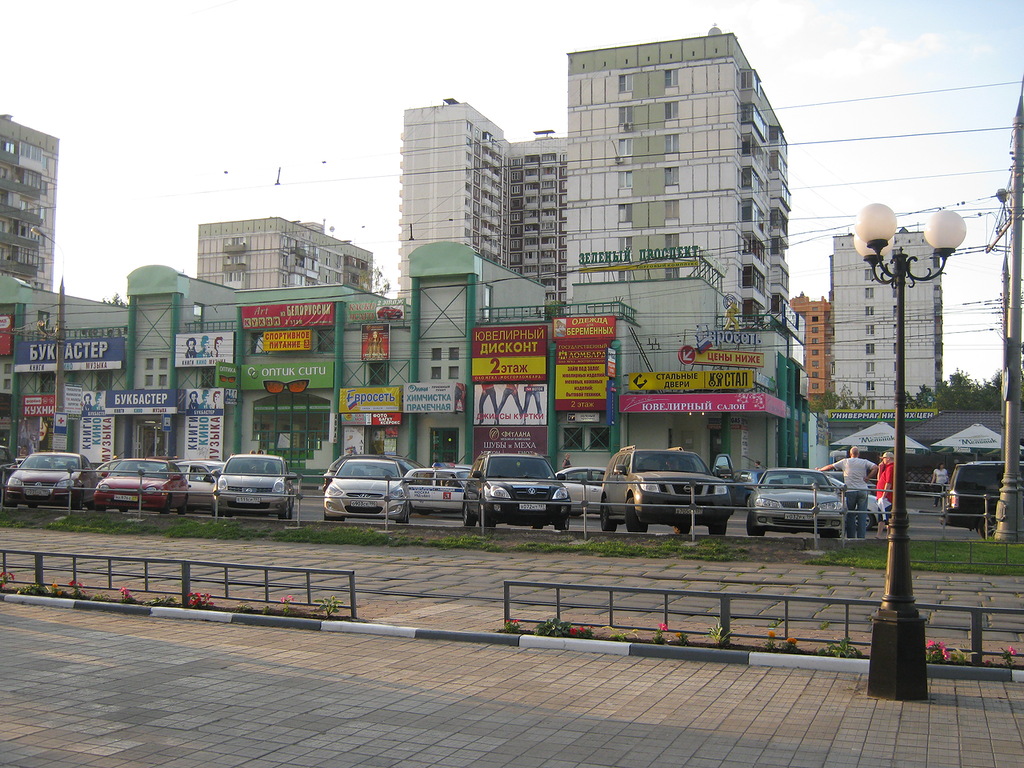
115 301
843 400
962 392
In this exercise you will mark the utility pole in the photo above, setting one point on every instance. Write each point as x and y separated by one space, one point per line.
1008 513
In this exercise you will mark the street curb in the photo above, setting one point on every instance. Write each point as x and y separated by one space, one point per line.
641 650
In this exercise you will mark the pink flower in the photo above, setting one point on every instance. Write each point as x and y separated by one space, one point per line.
663 627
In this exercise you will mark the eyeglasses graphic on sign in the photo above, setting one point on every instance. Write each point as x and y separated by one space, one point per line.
277 387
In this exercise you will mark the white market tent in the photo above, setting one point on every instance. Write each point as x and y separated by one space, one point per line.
977 438
879 437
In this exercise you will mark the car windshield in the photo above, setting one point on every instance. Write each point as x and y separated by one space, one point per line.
42 461
669 462
797 479
129 467
253 465
525 467
360 468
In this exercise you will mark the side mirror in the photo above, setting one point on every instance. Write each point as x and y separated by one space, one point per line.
620 469
208 478
476 474
723 466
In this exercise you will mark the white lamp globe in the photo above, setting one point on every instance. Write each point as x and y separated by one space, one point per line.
945 230
875 222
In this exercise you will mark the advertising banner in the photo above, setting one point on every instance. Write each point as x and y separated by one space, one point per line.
510 353
511 404
94 403
319 375
580 377
79 355
6 334
585 329
370 419
746 402
141 401
270 316
204 437
376 341
740 379
434 397
202 402
872 416
693 356
288 341
97 438
193 350
370 400
37 405
358 312
510 440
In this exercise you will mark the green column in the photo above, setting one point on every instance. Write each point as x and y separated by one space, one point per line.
614 432
470 399
129 376
19 322
340 309
726 434
239 412
177 421
553 446
414 367
781 437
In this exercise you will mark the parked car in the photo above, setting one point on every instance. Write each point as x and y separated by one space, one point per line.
973 494
795 501
256 482
367 486
583 482
432 489
515 488
403 464
201 482
162 485
669 486
48 479
746 479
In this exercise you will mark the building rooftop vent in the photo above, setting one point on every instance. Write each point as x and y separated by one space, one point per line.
450 102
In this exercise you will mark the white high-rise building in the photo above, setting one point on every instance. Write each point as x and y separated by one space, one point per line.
864 326
676 157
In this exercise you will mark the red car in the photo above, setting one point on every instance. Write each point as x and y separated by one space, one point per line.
390 313
163 484
46 479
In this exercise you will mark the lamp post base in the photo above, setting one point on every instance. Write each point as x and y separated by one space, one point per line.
897 670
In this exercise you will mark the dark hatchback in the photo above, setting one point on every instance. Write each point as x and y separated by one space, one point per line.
973 495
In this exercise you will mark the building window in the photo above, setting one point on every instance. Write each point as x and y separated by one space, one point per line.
671 110
869 330
600 438
671 177
625 148
869 349
869 311
435 353
377 374
625 83
869 366
162 380
626 118
625 213
453 353
671 78
672 142
869 386
625 179
671 209
148 380
572 438
869 293
435 372
453 371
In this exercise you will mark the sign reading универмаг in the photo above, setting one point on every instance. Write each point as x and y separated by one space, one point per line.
79 355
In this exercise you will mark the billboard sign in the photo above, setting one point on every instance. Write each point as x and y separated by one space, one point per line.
696 380
744 402
389 310
141 401
79 355
370 400
193 350
376 341
510 353
511 403
299 340
587 329
319 374
271 316
499 439
434 397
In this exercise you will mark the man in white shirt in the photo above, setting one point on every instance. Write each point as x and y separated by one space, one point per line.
856 473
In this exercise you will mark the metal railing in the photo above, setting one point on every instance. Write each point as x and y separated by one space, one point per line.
673 606
237 582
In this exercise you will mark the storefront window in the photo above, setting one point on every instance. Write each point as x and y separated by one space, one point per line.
294 426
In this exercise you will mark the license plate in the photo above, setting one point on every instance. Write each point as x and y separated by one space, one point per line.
533 507
797 516
363 504
688 510
37 491
125 497
249 500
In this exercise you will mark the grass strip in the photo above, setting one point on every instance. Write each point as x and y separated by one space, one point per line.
979 557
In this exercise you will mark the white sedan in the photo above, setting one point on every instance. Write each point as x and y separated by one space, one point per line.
436 490
583 482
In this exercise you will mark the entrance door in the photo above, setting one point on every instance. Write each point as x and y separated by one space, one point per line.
150 438
444 446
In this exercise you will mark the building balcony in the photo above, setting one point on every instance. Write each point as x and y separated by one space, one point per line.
22 189
19 214
21 242
19 269
235 247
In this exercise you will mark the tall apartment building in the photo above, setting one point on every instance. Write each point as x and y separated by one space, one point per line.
816 322
28 193
674 146
453 182
537 188
864 326
276 253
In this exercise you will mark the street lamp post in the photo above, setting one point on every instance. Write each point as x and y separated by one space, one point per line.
897 669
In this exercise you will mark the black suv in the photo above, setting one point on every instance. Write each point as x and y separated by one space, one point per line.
665 486
974 494
515 488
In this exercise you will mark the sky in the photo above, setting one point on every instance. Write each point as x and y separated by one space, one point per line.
173 113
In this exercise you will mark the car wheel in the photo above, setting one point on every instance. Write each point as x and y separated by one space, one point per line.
183 507
718 529
683 527
607 524
830 534
468 518
288 512
633 524
166 508
754 530
562 524
486 518
404 517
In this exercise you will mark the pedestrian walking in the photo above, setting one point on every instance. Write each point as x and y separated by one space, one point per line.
856 473
566 462
940 478
883 492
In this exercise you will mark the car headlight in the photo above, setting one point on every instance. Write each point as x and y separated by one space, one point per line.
15 482
648 487
397 492
560 494
333 491
279 485
152 489
830 505
63 483
496 492
222 483
102 487
769 503
720 490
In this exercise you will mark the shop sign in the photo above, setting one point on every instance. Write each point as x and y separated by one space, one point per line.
141 401
510 353
627 257
94 403
37 405
370 419
580 377
193 350
376 342
6 334
510 403
692 356
97 438
204 437
504 439
73 401
707 338
677 380
745 402
370 399
583 418
93 355
434 397
320 375
358 312
584 328
202 402
872 416
288 341
270 316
